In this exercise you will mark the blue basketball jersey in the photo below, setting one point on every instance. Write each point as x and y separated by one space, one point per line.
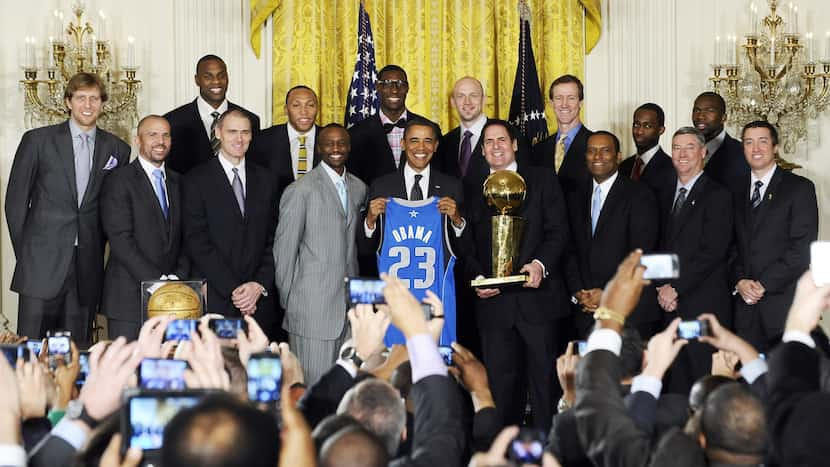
415 248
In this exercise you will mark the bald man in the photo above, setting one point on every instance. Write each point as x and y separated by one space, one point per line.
353 446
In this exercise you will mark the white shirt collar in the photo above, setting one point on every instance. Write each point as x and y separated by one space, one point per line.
409 179
205 111
228 168
334 176
606 185
714 144
293 133
384 119
765 180
475 129
688 186
648 155
514 166
149 168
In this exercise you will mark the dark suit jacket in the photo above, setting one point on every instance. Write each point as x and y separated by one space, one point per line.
223 246
773 243
574 170
43 214
628 220
370 156
450 148
545 238
143 244
323 397
728 165
655 174
190 142
272 149
701 238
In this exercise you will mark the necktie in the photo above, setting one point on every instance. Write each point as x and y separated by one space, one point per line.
158 185
756 194
344 196
388 127
214 141
416 194
559 156
238 191
466 152
302 161
82 164
596 207
679 201
637 170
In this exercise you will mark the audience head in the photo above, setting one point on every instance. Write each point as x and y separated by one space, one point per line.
329 426
648 126
420 141
153 139
401 379
566 94
301 108
84 97
212 79
703 388
688 151
760 140
334 145
379 408
499 144
468 99
233 129
709 114
602 155
733 425
392 88
354 446
221 431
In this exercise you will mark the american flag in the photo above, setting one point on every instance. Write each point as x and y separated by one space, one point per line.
527 107
362 101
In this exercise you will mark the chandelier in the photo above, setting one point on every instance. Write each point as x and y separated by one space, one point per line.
776 77
73 48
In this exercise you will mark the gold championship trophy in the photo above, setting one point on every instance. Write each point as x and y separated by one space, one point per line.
504 190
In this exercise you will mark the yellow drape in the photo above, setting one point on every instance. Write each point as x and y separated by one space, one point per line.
435 41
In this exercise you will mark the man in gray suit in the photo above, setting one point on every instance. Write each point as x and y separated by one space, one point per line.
314 249
53 216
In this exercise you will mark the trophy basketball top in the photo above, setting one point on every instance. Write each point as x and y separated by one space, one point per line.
505 190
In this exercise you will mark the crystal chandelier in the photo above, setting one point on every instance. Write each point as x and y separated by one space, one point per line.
776 77
74 48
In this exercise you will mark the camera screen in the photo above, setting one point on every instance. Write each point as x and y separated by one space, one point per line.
264 378
83 359
660 266
34 346
688 330
226 328
526 451
149 416
446 354
582 347
158 374
366 291
59 345
180 329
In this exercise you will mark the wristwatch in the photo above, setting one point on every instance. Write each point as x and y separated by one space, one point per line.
75 410
350 353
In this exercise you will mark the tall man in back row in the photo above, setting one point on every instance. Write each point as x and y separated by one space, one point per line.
53 214
724 161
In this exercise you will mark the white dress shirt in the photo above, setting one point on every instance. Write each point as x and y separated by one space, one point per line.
765 180
475 129
205 111
688 186
228 168
648 155
604 187
294 141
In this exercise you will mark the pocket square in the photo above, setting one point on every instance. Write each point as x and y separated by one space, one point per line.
112 163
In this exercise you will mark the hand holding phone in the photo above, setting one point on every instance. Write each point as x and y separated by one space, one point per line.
661 266
13 352
364 290
446 353
692 329
264 377
227 328
180 329
161 374
527 447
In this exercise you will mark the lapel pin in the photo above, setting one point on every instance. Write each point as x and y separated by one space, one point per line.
693 202
769 197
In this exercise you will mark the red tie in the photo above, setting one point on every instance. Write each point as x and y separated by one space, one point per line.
636 171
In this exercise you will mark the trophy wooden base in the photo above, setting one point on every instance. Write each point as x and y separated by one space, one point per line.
499 282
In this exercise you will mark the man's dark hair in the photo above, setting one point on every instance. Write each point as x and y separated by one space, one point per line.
401 378
221 432
329 426
392 68
353 446
567 79
631 353
436 135
208 58
238 113
149 117
299 86
717 97
85 80
703 388
613 138
378 407
661 116
511 130
773 132
733 421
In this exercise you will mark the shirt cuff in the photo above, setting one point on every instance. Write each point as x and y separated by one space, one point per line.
366 230
69 431
12 455
424 357
752 370
349 366
544 270
459 230
648 384
604 339
799 336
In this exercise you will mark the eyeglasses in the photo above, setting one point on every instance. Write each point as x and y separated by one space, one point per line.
393 83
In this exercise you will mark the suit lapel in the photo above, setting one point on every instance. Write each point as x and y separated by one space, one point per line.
99 160
330 190
611 202
689 206
149 194
66 155
221 181
434 188
768 198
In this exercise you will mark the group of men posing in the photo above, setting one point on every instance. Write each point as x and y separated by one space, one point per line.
201 201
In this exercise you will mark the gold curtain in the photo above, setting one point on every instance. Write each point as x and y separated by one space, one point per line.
435 41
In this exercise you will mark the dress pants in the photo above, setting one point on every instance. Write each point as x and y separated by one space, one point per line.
317 356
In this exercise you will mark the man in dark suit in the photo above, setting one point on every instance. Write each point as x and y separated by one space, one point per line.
776 219
229 220
518 325
650 165
52 212
609 217
564 151
141 213
698 226
376 141
192 125
289 150
724 161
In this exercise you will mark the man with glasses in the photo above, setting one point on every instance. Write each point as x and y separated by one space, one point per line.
376 141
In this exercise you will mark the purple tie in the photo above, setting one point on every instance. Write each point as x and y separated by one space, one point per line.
466 153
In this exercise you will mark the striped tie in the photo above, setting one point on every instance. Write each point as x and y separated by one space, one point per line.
302 161
214 141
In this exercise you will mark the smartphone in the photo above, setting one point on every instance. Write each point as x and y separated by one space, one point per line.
144 416
527 447
58 343
692 329
446 353
35 345
13 352
264 377
360 290
661 266
160 374
820 262
180 329
83 361
227 328
582 348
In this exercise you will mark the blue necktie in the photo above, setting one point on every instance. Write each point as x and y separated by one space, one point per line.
596 206
344 196
158 185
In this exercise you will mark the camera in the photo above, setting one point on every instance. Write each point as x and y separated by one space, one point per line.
180 329
227 328
264 377
161 374
361 290
692 329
